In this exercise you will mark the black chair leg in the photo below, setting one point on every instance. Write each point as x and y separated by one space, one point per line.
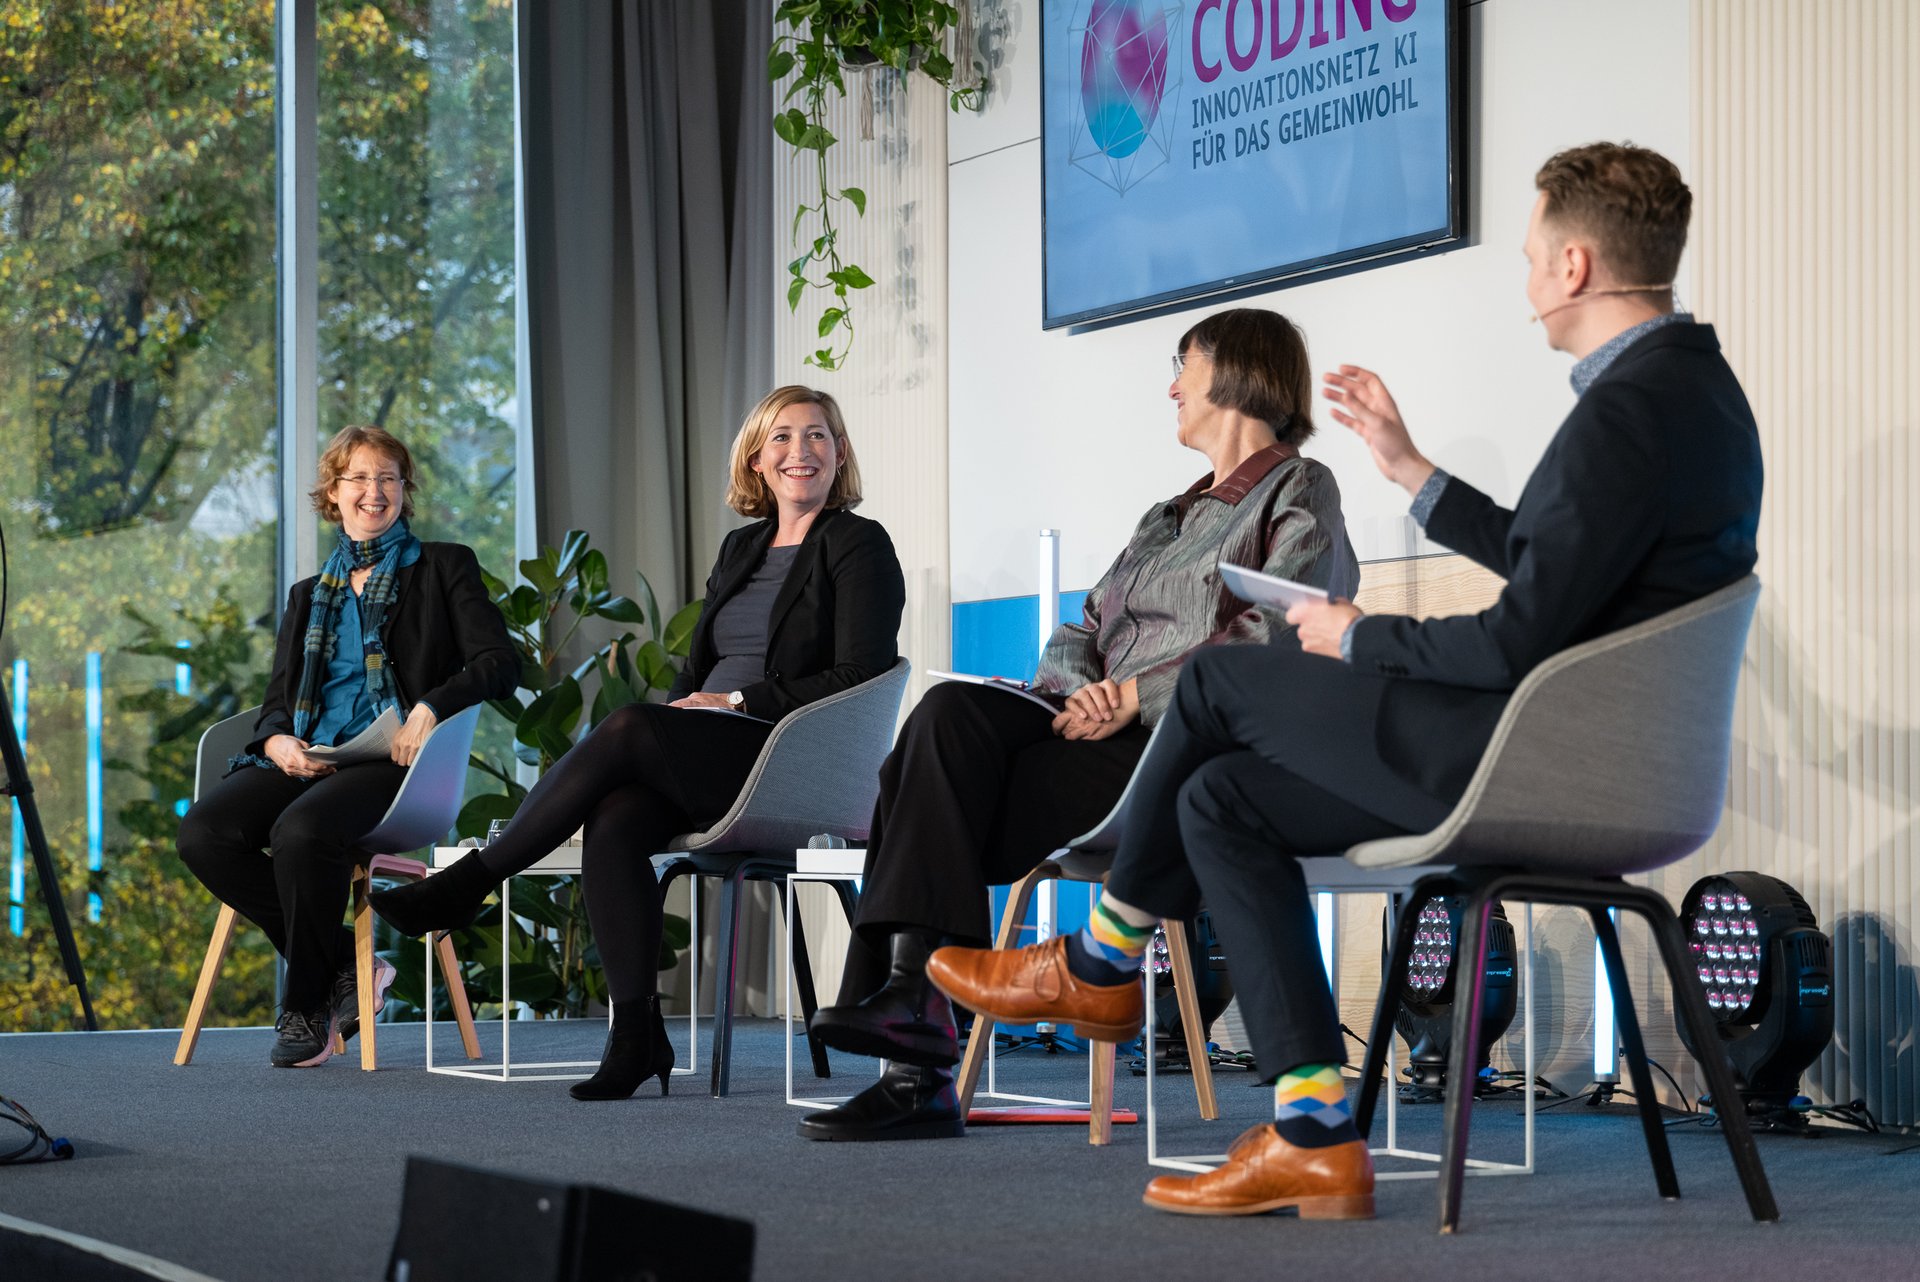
725 971
1469 978
803 980
849 898
1692 1004
1373 1068
1636 1053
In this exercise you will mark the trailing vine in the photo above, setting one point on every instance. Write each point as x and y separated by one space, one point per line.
820 40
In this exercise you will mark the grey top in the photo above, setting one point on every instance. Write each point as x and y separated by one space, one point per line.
740 628
1163 598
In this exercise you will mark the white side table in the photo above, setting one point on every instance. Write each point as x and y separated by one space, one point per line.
845 864
563 860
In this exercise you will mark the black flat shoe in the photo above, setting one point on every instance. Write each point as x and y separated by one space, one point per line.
448 900
907 1103
637 1049
908 1020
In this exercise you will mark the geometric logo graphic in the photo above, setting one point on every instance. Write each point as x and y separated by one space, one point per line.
1122 121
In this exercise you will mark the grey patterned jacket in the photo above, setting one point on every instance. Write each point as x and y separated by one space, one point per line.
1162 599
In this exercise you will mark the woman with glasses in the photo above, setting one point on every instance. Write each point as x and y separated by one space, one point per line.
390 622
982 784
801 604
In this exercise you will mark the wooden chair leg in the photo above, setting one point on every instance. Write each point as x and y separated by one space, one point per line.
980 1040
974 1058
1100 1096
203 991
457 993
1185 991
363 970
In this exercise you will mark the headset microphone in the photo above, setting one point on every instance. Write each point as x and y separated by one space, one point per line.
1596 293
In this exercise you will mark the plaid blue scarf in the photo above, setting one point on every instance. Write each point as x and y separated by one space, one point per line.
386 555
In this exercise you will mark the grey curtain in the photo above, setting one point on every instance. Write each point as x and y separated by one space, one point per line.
648 208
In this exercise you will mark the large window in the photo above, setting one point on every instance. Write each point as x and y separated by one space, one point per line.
416 226
139 421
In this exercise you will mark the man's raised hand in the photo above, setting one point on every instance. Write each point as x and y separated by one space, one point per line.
1361 401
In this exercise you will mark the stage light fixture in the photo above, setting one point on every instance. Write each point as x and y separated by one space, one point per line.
1767 971
1427 991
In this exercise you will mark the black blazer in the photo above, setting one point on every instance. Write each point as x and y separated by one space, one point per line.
1648 497
835 623
444 638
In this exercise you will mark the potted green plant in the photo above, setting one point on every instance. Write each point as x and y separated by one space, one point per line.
555 967
817 42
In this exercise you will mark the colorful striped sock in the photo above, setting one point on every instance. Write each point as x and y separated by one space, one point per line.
1108 948
1310 1107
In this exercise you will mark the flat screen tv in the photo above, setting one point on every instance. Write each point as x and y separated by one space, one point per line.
1192 147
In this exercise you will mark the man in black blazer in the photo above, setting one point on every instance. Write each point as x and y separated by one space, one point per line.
1647 497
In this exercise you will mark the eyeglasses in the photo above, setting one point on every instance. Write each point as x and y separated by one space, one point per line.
362 481
1180 359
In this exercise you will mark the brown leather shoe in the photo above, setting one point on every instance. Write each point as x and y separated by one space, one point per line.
1265 1173
1032 984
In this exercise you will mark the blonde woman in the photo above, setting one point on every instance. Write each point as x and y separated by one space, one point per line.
802 603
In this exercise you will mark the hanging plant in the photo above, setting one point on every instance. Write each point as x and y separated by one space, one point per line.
822 41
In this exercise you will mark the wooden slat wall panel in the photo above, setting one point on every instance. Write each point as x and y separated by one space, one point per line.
1806 176
1427 587
894 388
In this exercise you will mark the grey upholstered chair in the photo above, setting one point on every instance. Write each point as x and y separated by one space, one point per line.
421 813
819 773
1087 858
1610 759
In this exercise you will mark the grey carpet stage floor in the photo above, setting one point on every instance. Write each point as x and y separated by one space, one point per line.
243 1172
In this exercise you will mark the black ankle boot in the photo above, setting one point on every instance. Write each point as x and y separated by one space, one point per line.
907 1020
637 1048
907 1103
448 900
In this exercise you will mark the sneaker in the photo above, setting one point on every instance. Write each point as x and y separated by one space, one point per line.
346 996
306 1038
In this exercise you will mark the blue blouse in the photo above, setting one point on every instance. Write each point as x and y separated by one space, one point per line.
345 707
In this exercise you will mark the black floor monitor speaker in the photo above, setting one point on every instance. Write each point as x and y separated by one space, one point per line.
462 1224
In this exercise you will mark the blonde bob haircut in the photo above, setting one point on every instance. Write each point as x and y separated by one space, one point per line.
335 459
747 491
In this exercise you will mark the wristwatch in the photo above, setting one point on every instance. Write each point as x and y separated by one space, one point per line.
737 701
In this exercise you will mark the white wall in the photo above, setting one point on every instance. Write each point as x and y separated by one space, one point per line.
1074 430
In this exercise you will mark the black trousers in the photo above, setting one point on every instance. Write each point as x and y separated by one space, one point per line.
977 791
298 896
1239 786
645 774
